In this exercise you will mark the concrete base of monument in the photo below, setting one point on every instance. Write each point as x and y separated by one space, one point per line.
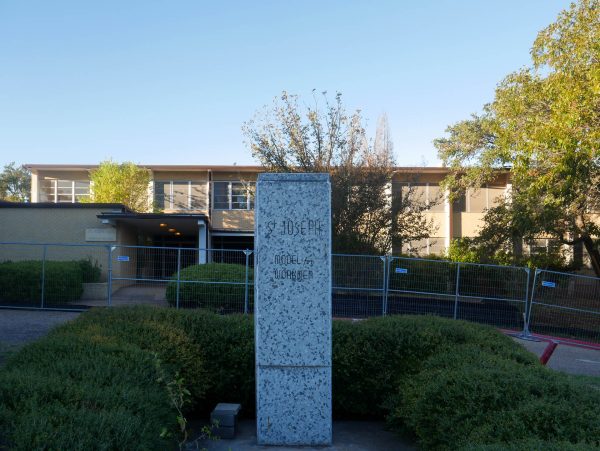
347 436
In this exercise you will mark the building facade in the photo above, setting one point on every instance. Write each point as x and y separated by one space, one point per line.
213 206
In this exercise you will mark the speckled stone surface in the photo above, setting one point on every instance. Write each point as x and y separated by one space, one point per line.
293 309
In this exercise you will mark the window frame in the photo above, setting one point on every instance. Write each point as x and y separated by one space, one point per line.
249 203
53 194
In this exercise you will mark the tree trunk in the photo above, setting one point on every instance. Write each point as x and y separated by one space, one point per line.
593 252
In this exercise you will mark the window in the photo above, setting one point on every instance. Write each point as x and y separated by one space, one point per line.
63 191
427 193
233 195
477 200
435 198
427 246
162 195
460 204
543 246
180 195
221 195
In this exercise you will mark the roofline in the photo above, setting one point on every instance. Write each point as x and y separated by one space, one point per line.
152 167
98 205
134 215
228 168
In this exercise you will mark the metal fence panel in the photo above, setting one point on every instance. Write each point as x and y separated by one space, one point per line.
565 305
421 286
53 276
358 289
28 261
178 277
226 286
35 275
65 289
493 294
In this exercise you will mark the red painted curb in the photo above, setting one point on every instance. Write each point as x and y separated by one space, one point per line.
559 340
548 352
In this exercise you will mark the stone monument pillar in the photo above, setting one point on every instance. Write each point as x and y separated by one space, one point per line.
292 312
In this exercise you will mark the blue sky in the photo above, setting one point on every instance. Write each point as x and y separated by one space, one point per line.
171 82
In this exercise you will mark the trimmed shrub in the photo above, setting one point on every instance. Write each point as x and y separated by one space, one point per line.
158 331
468 396
22 281
532 445
100 382
216 286
71 392
91 271
227 344
372 357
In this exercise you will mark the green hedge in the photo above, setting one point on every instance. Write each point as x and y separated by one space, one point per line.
22 281
94 383
371 358
216 286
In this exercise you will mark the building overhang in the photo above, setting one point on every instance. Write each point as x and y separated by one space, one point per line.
157 224
115 208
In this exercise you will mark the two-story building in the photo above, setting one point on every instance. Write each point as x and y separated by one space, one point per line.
207 207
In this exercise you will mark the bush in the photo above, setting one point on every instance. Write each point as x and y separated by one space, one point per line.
99 382
91 271
216 286
531 445
468 396
22 281
227 344
371 358
73 392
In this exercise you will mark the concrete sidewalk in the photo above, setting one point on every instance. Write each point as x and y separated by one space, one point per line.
568 359
347 436
18 327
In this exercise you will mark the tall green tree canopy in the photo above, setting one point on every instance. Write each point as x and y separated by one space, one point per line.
288 137
124 183
544 125
15 183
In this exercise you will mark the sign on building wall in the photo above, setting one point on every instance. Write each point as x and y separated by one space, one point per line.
105 234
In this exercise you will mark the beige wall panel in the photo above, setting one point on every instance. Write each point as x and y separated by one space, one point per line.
233 220
34 188
233 176
63 175
477 200
466 224
45 225
180 175
495 194
48 225
418 178
439 221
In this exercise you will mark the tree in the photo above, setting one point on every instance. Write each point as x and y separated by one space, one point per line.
543 125
365 219
15 183
124 183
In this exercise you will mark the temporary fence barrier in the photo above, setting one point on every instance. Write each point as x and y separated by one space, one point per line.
79 276
565 305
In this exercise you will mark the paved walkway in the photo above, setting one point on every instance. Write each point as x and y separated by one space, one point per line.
347 436
18 327
568 359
